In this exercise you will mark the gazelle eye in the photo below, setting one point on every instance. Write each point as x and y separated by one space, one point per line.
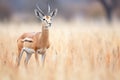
43 19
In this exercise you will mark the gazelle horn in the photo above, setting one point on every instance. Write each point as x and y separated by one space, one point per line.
40 9
48 8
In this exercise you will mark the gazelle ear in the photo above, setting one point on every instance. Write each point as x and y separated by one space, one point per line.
53 13
38 13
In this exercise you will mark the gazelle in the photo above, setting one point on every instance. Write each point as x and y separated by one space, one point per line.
36 42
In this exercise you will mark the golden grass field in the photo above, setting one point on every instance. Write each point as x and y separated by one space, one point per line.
79 51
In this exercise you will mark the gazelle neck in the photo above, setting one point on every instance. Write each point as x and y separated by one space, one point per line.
45 34
45 28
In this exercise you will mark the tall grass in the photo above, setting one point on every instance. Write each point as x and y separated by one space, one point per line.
85 51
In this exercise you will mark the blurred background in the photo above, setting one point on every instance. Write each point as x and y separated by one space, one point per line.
84 39
23 10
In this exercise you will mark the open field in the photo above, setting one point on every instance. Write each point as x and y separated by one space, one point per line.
79 51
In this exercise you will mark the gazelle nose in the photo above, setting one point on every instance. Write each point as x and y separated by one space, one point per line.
49 24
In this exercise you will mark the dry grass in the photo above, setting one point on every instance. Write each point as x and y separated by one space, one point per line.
85 51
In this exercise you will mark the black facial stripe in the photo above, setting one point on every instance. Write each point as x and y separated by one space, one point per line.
46 21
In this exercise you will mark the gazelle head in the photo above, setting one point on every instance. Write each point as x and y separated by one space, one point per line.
46 19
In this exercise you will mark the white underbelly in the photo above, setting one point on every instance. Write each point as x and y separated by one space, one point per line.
29 50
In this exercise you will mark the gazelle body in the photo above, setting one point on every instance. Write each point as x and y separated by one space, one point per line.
36 42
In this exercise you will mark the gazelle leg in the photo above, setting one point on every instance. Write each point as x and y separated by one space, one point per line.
36 58
43 58
28 56
19 57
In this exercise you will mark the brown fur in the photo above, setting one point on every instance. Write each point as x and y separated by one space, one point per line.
35 42
47 17
40 41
